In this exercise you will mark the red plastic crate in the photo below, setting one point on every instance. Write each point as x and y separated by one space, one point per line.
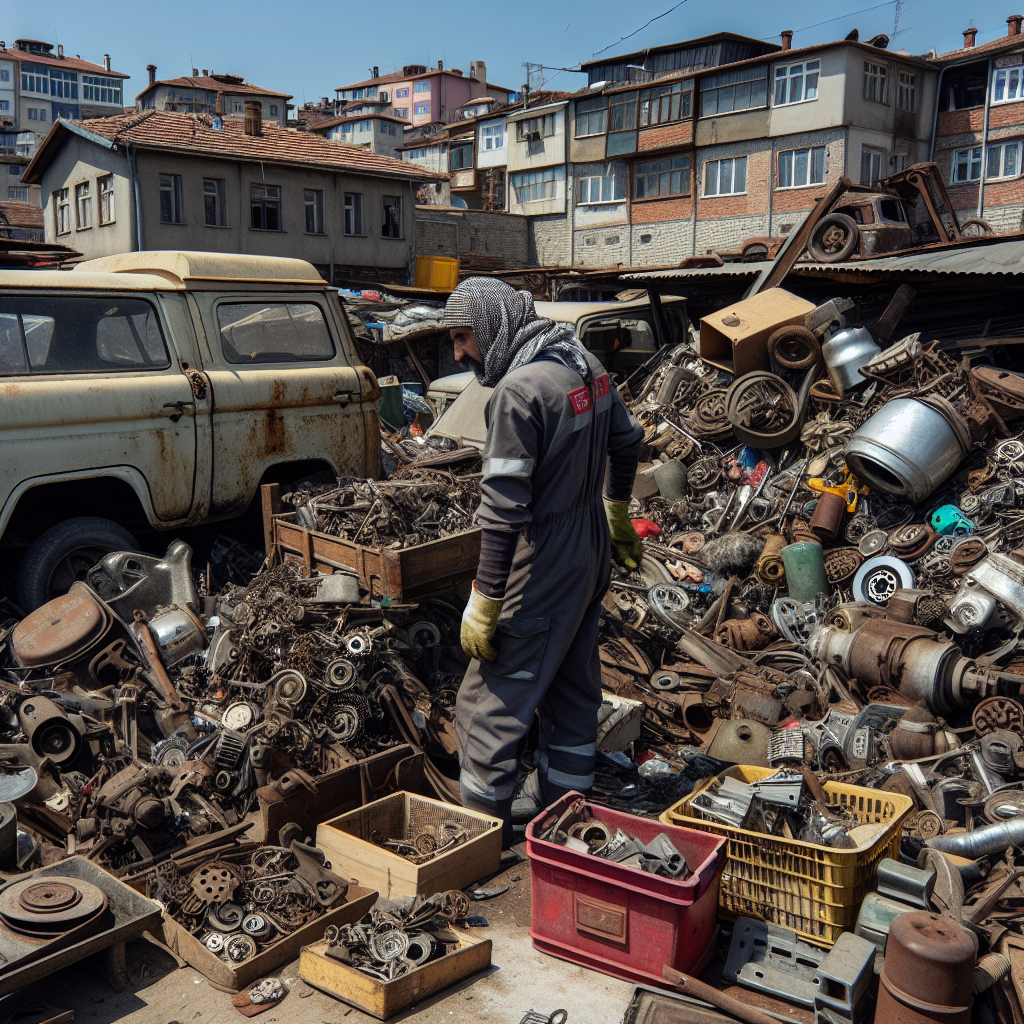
621 920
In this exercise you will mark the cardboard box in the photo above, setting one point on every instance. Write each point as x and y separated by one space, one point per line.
180 941
383 999
736 338
346 842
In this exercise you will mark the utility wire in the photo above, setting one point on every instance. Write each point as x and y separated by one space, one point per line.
642 27
829 21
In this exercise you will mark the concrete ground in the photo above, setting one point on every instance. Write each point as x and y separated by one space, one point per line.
519 980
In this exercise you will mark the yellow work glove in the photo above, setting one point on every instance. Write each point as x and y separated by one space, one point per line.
479 623
627 547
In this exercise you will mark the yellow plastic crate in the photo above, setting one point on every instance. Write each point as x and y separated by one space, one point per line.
439 273
813 890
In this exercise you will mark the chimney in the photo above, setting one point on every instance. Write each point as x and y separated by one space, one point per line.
253 117
1014 21
205 72
151 68
195 72
440 65
478 70
376 72
60 51
787 39
219 108
969 34
106 62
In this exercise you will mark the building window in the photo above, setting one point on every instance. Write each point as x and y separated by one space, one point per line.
591 116
265 201
421 87
391 128
33 114
313 199
416 154
799 167
623 112
17 169
273 110
600 183
871 160
101 90
795 83
213 202
391 223
1007 84
63 84
1003 160
745 89
966 165
273 332
5 76
401 94
533 186
460 156
236 107
106 191
401 111
658 178
422 108
83 206
35 78
876 82
5 105
62 211
354 213
906 92
493 136
666 103
17 193
725 177
531 128
170 199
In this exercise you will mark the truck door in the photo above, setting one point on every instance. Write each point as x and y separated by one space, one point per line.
89 386
283 390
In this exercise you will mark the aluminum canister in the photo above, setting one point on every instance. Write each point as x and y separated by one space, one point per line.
805 570
845 353
909 447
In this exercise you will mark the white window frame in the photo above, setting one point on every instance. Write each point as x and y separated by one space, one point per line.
966 159
872 155
420 87
809 158
544 181
674 165
876 80
83 206
1002 149
18 193
105 191
906 91
493 136
313 203
62 211
421 108
173 190
353 223
734 162
216 193
1008 84
591 117
600 189
789 76
544 127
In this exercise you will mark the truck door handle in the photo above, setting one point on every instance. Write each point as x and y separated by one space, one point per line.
342 397
179 409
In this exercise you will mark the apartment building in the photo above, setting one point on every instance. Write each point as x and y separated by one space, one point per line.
379 133
166 180
979 127
211 93
420 95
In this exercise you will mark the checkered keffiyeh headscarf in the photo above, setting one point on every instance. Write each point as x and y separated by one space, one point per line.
508 330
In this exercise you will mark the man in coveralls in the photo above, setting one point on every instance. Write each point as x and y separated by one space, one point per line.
553 425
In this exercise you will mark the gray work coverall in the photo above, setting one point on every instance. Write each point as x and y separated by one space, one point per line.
548 439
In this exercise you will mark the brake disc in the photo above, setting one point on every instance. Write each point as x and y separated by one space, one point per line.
669 604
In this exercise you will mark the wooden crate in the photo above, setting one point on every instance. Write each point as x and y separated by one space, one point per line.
180 941
383 999
346 841
405 575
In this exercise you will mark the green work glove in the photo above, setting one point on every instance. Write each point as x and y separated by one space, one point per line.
479 623
627 547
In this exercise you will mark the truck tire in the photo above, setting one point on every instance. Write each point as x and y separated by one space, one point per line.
833 239
65 553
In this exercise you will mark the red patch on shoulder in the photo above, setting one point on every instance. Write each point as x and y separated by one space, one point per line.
580 400
602 386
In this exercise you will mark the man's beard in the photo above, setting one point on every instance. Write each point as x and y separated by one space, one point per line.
469 363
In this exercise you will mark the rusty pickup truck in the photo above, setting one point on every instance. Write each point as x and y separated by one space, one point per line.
155 390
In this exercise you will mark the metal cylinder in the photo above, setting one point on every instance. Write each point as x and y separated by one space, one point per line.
828 515
805 570
909 447
845 353
671 479
982 841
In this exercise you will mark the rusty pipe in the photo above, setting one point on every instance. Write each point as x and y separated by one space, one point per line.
728 1004
140 627
982 841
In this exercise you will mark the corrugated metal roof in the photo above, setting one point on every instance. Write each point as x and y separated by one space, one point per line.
1003 258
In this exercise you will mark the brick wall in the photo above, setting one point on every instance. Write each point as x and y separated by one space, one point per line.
1004 115
651 211
678 134
607 246
502 237
548 239
759 170
958 122
729 232
661 243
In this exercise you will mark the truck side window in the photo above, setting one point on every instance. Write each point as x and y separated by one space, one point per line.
273 332
75 334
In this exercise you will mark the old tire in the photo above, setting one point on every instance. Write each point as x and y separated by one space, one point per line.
65 553
833 239
976 227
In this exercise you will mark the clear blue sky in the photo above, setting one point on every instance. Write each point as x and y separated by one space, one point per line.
308 47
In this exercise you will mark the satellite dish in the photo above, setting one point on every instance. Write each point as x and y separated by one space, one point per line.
218 123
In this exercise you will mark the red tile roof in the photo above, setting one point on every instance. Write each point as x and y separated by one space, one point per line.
321 125
1004 42
193 133
210 83
65 62
20 215
398 76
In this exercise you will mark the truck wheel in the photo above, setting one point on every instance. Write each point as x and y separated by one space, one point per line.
976 227
65 553
833 239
